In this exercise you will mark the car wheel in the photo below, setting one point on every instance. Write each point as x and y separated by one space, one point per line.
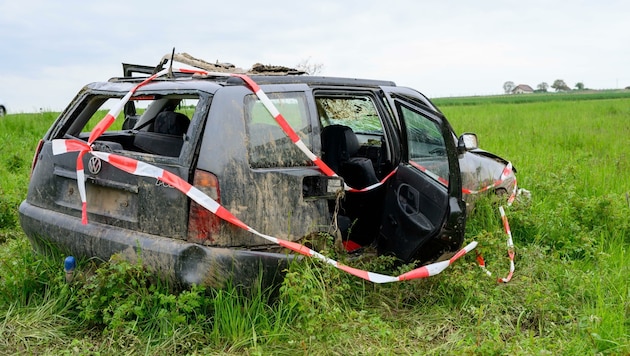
3 111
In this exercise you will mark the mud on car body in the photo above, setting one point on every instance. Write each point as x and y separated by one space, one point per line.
213 132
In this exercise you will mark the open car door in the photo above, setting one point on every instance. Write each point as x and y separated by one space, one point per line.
424 215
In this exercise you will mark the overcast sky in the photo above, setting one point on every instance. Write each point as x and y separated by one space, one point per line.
50 49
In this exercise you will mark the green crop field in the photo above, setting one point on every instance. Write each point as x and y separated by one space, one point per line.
570 293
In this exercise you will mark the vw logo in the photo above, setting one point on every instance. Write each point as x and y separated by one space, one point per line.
94 165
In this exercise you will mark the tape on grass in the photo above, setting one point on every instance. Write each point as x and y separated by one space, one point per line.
507 171
510 245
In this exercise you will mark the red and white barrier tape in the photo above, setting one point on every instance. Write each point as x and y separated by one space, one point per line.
514 194
431 174
288 130
510 249
135 167
510 245
139 168
507 171
482 263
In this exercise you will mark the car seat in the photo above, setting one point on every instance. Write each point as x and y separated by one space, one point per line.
171 123
361 211
339 146
167 135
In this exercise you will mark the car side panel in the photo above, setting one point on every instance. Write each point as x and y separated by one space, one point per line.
270 200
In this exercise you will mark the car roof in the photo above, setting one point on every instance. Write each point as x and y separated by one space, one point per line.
126 84
317 80
199 81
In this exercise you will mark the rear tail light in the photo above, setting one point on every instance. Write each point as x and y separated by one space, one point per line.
40 144
202 223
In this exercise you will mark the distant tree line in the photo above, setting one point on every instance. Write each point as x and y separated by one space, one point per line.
558 85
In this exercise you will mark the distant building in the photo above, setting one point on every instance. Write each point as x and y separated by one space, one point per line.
522 89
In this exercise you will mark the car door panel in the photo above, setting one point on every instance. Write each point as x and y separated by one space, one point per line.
423 207
415 207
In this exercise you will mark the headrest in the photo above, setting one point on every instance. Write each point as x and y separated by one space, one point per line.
341 137
171 123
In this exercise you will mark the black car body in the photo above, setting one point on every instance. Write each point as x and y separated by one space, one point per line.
214 133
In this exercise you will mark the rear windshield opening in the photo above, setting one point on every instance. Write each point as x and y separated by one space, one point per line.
150 124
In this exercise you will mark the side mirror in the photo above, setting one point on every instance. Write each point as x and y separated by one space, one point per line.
467 142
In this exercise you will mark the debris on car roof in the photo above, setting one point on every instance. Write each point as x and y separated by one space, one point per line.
268 69
256 69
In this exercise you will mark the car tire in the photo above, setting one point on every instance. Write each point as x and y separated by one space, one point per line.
3 111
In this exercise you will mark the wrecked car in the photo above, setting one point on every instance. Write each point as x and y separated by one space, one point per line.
396 151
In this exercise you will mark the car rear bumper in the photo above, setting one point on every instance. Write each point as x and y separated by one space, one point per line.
178 261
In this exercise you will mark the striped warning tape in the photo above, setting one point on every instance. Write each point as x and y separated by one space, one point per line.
482 263
97 131
510 245
506 173
510 250
288 130
139 168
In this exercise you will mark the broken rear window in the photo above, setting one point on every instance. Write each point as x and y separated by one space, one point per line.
151 123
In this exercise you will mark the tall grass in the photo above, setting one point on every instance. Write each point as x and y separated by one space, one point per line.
569 295
581 141
18 137
575 95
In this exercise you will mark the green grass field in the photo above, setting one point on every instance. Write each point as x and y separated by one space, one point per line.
569 295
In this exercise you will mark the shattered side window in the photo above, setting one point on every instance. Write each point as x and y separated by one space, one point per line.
268 145
357 112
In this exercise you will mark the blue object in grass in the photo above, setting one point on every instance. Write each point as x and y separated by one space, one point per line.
69 264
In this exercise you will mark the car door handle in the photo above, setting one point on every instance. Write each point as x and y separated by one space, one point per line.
408 199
